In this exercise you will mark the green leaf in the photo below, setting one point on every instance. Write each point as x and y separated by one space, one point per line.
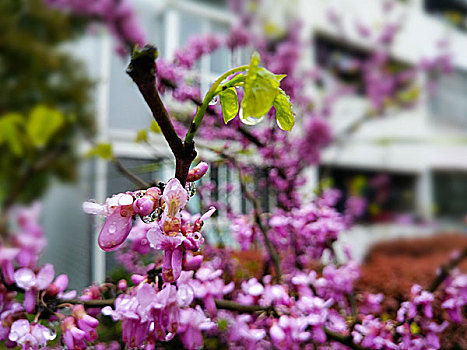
142 136
261 88
43 123
284 114
229 103
10 132
155 127
279 77
103 150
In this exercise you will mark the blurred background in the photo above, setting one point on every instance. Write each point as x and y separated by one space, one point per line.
409 166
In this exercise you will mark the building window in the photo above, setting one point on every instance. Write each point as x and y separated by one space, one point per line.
453 12
389 197
346 62
448 103
450 193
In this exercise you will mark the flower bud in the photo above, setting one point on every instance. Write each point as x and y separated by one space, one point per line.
143 206
154 192
197 172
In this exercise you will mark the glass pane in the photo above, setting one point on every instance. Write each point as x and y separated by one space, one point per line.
127 109
190 25
450 191
66 225
220 59
448 103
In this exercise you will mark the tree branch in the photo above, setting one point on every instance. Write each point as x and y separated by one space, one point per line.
142 69
445 270
125 171
346 340
89 303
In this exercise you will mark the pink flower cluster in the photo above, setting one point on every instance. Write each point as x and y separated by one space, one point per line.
117 15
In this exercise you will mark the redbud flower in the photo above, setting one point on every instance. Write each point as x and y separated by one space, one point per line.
30 336
72 335
197 172
119 211
86 323
25 278
143 206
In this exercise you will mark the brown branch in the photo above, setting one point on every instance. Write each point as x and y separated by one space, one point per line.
346 340
142 69
131 176
445 270
233 306
89 303
250 137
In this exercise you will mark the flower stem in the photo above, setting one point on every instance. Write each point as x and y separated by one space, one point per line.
201 111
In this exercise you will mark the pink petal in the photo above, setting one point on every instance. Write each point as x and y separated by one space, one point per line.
146 295
94 208
177 257
45 277
25 278
61 282
30 300
8 271
159 240
115 230
208 214
18 330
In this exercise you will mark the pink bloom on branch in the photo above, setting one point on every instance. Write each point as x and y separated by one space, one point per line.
30 336
173 253
6 262
119 211
197 172
143 206
25 278
115 230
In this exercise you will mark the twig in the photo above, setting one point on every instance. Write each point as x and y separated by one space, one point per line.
233 306
445 270
89 303
346 340
125 171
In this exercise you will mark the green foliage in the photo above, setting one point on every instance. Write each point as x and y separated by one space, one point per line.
10 132
261 92
142 136
261 88
44 100
229 103
155 127
284 114
43 123
102 150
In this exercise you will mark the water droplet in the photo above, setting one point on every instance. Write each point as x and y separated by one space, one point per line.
214 101
112 229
